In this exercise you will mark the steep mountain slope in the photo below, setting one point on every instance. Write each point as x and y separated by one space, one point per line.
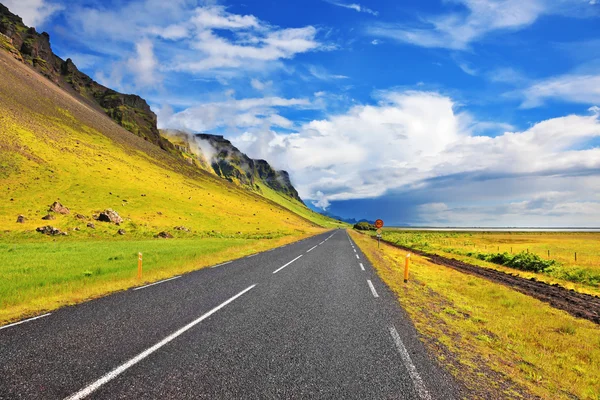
33 48
133 113
54 146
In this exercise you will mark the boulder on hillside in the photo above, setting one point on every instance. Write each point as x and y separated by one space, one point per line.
81 216
21 219
164 235
181 228
110 215
50 230
90 225
48 217
58 208
121 232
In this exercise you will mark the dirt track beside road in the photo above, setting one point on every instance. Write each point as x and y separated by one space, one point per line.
577 304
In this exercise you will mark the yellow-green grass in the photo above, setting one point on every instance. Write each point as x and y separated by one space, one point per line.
562 246
499 343
88 173
37 276
300 209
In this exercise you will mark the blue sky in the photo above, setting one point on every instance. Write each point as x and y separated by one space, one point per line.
451 112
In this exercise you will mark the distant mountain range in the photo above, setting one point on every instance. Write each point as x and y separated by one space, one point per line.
347 220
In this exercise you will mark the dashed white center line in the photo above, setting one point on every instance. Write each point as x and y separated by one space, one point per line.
279 269
225 263
354 250
362 267
119 370
372 289
156 283
25 320
311 249
412 370
357 257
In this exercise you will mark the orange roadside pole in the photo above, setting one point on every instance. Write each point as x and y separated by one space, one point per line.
139 275
406 264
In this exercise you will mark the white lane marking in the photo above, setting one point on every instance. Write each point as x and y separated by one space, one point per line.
25 320
219 265
372 289
412 370
156 283
362 266
311 249
123 367
252 255
357 257
354 250
279 269
322 242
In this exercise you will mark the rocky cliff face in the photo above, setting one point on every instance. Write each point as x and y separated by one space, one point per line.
33 48
218 154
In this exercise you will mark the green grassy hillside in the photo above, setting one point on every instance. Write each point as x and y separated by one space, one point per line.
54 147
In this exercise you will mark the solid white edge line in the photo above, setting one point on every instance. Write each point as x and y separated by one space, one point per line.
372 289
311 249
322 242
219 265
252 255
279 269
25 320
156 283
412 370
362 266
123 367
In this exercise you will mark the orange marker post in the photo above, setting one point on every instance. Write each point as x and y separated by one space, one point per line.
139 275
406 263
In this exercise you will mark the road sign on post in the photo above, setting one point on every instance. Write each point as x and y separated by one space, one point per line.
378 225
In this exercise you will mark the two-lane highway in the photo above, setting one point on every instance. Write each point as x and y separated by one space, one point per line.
307 320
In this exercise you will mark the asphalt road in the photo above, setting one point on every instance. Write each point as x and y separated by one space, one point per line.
307 320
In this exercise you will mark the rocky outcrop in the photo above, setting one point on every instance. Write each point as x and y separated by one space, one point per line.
59 208
110 215
33 48
164 235
50 230
21 219
227 161
276 180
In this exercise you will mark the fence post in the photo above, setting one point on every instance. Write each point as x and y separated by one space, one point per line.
139 274
406 263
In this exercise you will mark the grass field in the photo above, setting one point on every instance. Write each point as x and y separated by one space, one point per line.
38 276
498 342
557 246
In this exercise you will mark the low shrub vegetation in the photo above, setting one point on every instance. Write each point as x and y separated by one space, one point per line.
364 226
549 254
